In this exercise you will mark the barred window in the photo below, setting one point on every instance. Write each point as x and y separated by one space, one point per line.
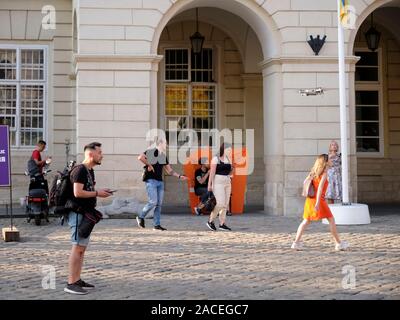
189 91
202 66
8 64
369 118
23 93
176 64
367 121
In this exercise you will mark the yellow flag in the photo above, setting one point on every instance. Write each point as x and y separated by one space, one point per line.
344 12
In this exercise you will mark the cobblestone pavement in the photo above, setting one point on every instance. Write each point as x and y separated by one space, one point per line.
190 262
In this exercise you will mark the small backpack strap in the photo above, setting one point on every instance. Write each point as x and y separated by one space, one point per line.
76 227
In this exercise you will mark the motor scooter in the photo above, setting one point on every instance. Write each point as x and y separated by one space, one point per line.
37 206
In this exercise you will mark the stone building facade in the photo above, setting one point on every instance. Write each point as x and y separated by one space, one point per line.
111 70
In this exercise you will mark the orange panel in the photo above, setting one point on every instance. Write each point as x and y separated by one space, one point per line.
239 179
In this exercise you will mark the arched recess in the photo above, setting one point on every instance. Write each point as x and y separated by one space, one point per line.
264 77
236 28
364 15
259 20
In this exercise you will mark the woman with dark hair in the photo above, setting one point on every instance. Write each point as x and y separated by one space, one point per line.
219 183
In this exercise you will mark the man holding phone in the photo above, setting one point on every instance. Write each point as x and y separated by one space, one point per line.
85 197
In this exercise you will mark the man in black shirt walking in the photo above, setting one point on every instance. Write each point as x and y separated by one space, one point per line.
155 160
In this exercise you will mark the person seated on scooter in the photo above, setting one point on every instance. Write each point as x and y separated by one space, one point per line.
201 183
37 157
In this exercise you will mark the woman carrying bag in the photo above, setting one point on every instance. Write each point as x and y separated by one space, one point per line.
315 207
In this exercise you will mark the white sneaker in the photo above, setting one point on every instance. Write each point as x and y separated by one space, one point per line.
297 246
342 246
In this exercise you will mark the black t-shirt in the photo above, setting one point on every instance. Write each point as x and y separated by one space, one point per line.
158 160
199 174
223 168
80 174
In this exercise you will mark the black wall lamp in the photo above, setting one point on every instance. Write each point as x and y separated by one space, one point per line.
197 38
372 36
317 43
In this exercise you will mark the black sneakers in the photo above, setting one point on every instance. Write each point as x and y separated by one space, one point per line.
75 288
84 285
79 287
224 227
211 226
159 228
140 222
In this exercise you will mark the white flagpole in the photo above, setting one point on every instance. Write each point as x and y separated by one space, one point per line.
343 111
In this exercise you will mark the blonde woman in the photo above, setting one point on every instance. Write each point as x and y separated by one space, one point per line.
334 191
219 183
316 208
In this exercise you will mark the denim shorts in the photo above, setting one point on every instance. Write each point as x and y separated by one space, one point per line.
72 222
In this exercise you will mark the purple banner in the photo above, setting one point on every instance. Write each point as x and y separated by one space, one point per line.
5 178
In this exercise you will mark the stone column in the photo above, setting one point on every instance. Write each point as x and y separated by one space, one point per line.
117 105
353 181
273 137
253 117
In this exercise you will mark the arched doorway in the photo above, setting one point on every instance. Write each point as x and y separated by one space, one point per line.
238 39
377 105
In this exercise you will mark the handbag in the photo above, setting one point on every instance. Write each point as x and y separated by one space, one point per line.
308 188
209 203
89 220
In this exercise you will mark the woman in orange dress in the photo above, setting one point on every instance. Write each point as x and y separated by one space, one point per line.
316 208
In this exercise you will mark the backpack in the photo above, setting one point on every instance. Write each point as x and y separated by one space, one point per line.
61 190
32 168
